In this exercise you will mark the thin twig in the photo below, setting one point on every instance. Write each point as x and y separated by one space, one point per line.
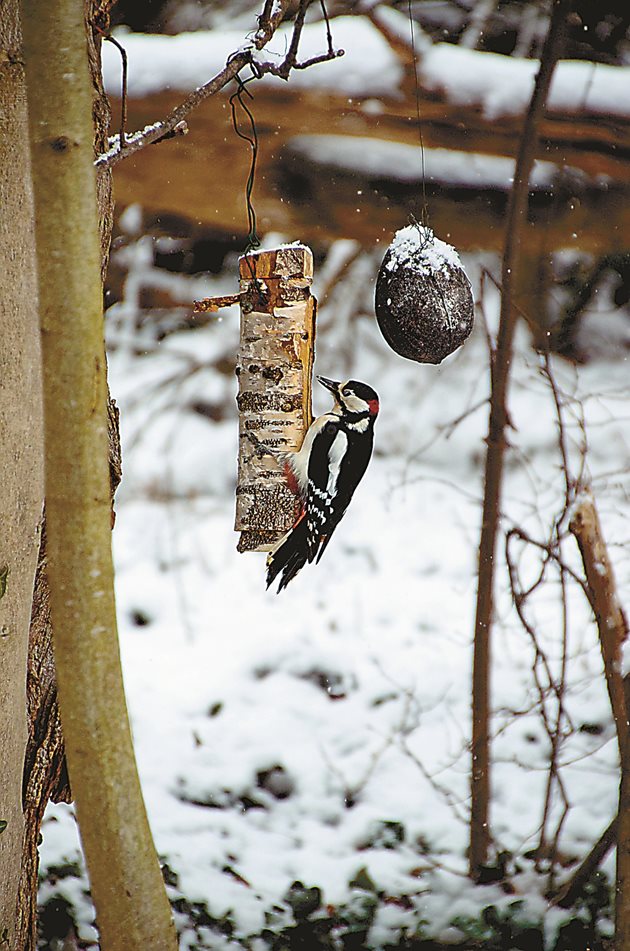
291 57
546 547
327 22
235 63
519 599
572 889
269 20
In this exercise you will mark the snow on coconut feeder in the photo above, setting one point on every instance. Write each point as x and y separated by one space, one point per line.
424 303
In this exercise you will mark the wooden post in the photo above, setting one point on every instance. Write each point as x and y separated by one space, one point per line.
274 369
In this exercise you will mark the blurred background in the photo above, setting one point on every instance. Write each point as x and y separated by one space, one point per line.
339 144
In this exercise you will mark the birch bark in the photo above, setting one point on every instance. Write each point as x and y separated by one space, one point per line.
274 370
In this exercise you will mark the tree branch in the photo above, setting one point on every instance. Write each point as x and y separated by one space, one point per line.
572 890
158 130
496 441
269 20
611 620
237 61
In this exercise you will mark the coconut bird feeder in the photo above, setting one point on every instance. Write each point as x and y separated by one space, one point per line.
424 303
274 369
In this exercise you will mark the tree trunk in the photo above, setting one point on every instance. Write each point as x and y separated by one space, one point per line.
622 883
45 776
126 884
21 497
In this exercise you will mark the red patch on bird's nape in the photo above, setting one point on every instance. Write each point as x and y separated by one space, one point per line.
373 404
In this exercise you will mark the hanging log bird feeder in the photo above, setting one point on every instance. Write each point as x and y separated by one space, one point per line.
274 370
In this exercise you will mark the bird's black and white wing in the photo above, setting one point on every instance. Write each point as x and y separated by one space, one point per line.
335 469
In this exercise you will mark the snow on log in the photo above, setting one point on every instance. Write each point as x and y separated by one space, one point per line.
274 370
424 303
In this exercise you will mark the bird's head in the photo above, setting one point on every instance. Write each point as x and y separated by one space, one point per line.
352 398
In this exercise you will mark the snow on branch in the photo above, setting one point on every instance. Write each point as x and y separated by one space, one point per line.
245 56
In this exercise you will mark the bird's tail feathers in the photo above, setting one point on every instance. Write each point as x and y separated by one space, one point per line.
289 555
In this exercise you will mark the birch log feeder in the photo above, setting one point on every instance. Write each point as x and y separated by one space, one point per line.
274 370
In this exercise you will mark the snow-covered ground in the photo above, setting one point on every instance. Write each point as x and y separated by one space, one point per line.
322 734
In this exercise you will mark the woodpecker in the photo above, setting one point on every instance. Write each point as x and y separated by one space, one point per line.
324 474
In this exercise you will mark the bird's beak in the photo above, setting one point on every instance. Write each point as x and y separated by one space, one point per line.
329 384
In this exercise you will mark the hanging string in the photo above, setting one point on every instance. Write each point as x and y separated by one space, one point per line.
253 241
424 229
424 213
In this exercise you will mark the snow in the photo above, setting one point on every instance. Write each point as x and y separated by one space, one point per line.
286 246
501 86
417 247
277 735
369 67
397 161
114 142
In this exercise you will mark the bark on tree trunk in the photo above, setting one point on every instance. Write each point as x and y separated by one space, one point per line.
611 620
622 883
45 776
126 884
21 497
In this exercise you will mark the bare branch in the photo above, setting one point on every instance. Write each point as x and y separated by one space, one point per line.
245 57
211 304
158 130
269 20
496 441
291 57
611 620
572 890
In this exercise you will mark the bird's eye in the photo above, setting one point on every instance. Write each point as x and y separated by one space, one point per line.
346 391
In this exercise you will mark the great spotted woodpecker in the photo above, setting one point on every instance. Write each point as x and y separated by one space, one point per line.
324 474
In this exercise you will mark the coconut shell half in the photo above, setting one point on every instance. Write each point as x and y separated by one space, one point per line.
424 303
